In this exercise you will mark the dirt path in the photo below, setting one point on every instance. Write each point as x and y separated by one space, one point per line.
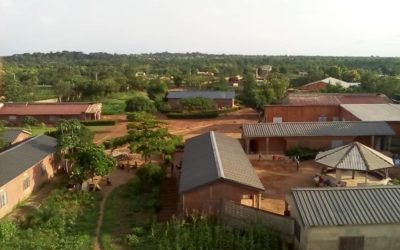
118 177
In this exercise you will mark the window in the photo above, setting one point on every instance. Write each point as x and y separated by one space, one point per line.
26 183
351 243
322 119
335 119
3 198
277 119
12 118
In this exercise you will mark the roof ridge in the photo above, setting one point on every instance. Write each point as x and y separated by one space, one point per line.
20 144
218 163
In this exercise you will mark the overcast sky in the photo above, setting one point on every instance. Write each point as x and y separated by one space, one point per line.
271 27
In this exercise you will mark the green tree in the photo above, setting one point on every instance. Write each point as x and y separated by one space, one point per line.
139 103
197 104
2 142
157 88
351 75
63 89
279 83
334 71
178 81
90 161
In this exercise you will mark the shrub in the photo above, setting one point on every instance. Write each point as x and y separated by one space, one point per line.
99 123
197 104
150 174
303 152
137 116
30 120
140 103
196 115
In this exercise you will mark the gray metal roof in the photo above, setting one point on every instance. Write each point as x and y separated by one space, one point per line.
205 94
24 155
213 156
9 135
374 112
354 156
348 206
354 128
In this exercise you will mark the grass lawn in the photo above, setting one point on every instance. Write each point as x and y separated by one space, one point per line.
100 128
36 130
122 212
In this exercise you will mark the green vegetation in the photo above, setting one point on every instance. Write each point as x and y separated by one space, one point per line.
194 115
99 123
65 220
131 205
303 152
140 103
196 104
116 102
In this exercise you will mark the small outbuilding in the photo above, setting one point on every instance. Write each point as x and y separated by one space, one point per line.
276 138
215 168
362 218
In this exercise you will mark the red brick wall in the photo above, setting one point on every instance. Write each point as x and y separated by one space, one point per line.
14 188
314 86
301 113
22 136
207 198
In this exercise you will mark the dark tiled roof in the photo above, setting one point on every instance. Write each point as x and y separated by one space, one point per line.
213 156
348 206
353 128
9 135
205 94
24 155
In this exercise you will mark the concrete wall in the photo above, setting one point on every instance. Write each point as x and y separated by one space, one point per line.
376 236
208 197
37 176
301 113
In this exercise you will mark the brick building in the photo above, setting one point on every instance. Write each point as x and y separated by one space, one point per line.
215 168
324 83
277 138
14 113
362 218
24 167
222 99
317 106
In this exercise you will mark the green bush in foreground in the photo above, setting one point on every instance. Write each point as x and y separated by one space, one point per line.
202 233
65 220
196 115
303 152
99 123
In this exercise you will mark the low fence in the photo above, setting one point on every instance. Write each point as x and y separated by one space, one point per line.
237 215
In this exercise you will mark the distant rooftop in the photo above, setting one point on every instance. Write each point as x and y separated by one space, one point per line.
9 135
205 94
335 82
214 156
374 112
340 128
348 206
310 99
65 108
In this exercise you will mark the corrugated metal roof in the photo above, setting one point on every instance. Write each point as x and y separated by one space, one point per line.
374 112
335 82
48 108
310 99
213 156
354 156
348 206
205 94
340 128
24 155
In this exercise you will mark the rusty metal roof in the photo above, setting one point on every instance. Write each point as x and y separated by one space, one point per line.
213 156
310 99
348 206
295 129
354 156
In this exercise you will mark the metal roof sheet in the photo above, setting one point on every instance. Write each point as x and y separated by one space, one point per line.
374 112
24 155
340 128
205 94
348 206
354 156
310 99
213 156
